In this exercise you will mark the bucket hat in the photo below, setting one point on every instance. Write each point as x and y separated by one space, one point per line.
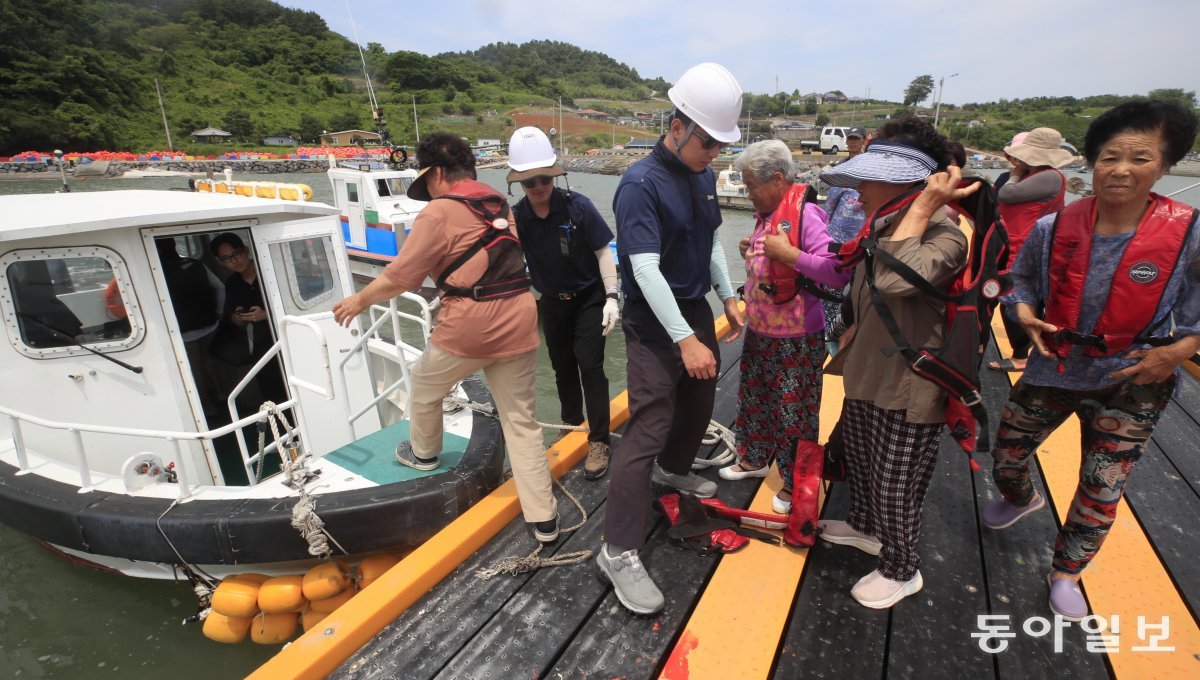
1042 146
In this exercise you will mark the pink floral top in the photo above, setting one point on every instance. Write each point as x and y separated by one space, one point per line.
803 314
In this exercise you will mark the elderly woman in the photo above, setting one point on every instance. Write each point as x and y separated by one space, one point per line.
892 419
1036 188
779 396
1107 355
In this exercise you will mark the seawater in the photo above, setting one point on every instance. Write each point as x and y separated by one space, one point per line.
59 620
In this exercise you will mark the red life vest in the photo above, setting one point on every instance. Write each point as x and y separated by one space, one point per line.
1138 283
505 275
783 281
1019 217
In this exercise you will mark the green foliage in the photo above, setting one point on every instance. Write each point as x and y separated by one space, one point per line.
822 120
918 90
1186 98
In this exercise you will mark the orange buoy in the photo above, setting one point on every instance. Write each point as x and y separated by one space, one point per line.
236 596
204 185
273 629
265 190
227 629
251 576
329 604
324 581
373 566
281 594
221 188
244 189
311 618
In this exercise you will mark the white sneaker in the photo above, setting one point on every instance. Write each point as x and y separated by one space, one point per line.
880 592
841 533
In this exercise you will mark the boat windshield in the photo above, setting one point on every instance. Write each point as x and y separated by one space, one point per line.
393 186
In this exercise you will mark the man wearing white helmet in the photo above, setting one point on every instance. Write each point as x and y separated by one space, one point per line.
566 247
670 258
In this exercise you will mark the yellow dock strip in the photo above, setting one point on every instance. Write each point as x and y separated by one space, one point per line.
1127 579
739 622
321 650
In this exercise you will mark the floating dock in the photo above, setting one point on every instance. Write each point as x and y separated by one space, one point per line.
780 612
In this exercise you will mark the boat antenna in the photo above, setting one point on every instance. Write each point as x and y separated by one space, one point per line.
69 338
376 109
58 157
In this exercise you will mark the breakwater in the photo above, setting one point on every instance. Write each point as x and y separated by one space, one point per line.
119 168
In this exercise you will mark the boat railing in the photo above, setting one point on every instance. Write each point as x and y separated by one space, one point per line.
381 315
250 460
77 430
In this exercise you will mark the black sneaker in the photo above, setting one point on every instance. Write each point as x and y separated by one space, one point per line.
546 532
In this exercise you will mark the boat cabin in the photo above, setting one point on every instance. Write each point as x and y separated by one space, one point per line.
376 213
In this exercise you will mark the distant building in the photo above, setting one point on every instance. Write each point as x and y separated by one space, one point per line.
592 114
974 122
279 140
349 138
642 144
834 98
211 134
816 97
487 141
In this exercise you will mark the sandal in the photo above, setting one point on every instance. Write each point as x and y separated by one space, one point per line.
1005 366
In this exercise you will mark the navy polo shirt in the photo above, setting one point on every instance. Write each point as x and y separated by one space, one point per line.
561 247
663 207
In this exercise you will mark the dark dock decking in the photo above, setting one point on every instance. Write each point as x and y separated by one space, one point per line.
777 612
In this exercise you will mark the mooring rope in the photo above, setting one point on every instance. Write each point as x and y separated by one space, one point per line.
513 566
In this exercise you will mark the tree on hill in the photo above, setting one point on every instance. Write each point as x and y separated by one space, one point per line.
1185 98
918 90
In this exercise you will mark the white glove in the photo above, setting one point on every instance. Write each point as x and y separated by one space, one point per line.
610 316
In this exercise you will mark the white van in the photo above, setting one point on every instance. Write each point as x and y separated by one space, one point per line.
833 139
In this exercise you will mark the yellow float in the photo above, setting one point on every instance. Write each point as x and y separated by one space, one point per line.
281 594
311 618
373 566
295 192
325 581
227 629
273 629
236 596
329 604
265 190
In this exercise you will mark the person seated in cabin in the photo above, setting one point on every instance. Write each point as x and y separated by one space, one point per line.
197 297
44 319
487 321
892 419
565 241
1118 274
1036 188
245 334
779 393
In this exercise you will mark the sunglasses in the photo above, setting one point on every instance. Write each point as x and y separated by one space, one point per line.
232 257
538 181
708 142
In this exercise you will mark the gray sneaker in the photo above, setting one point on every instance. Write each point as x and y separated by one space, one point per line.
406 456
597 460
631 584
691 483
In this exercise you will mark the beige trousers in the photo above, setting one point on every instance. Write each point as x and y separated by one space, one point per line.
512 381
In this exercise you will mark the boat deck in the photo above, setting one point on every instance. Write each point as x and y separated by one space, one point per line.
779 612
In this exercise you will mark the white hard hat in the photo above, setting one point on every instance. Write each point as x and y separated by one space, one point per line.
710 95
530 148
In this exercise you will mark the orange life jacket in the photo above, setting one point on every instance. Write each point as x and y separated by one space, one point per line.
783 281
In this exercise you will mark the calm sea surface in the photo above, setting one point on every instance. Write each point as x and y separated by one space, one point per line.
58 620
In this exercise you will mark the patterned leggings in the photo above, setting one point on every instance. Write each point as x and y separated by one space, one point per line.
779 399
1115 423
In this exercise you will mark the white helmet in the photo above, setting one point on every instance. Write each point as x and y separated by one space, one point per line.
530 148
710 95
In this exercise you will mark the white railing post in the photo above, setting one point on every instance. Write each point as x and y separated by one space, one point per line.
85 474
19 444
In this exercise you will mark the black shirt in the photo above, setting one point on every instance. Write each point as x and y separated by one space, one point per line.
561 248
238 293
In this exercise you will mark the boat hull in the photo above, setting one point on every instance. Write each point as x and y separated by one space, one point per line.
110 528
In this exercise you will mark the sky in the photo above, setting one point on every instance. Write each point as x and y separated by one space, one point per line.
998 49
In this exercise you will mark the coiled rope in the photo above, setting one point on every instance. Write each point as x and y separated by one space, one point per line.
513 566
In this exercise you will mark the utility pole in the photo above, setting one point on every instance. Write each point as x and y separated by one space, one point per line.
416 126
164 115
560 128
938 110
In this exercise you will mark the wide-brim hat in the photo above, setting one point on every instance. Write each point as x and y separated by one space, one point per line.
883 161
554 170
1042 146
418 191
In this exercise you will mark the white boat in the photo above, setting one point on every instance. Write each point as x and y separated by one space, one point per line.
107 455
376 213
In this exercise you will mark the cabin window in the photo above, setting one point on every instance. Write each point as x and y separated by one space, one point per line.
394 186
57 299
308 273
351 192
